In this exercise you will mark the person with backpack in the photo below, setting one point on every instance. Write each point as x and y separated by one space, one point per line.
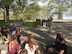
30 46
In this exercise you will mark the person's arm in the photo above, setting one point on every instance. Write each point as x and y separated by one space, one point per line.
19 51
6 39
39 52
61 52
62 48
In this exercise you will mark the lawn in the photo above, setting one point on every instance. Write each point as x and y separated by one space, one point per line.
2 23
28 23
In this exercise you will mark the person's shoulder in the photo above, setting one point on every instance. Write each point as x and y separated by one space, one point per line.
26 44
63 45
16 43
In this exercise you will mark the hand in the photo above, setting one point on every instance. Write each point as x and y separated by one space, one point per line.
50 49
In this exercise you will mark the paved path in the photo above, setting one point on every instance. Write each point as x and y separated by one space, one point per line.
44 38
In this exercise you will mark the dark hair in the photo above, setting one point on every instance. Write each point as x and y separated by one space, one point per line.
60 37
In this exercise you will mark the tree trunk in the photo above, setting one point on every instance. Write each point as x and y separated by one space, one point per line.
4 14
22 11
7 13
60 15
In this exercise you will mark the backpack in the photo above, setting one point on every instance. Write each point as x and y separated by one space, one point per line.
24 51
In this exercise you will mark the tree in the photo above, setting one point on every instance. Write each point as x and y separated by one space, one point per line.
70 7
31 11
59 6
2 5
21 5
44 12
15 10
5 4
26 10
39 0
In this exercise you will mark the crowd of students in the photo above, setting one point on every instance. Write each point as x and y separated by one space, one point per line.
15 43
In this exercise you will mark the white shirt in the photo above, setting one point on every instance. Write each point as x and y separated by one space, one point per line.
14 32
28 50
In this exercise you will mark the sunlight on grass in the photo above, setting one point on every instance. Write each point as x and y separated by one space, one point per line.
29 24
4 23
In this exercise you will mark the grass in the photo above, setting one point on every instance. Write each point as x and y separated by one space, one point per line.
28 23
2 23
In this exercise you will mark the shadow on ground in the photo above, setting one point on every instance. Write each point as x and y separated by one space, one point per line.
44 38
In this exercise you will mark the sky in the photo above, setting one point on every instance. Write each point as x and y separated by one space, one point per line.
65 15
42 4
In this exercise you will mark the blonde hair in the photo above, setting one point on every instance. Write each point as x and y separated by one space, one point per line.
31 36
31 43
12 42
